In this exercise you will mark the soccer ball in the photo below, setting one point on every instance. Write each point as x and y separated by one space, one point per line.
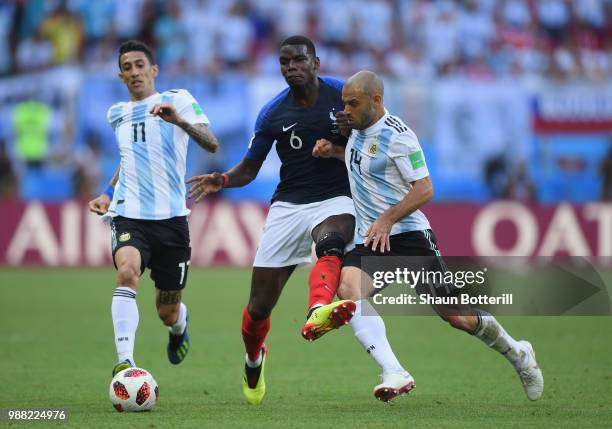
133 389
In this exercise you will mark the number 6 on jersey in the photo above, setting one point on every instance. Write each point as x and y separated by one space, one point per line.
294 141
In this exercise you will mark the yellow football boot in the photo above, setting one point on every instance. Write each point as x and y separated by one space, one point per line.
328 317
255 377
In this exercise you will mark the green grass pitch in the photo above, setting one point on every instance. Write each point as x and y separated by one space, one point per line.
57 352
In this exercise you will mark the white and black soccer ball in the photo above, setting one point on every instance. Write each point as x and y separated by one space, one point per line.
133 389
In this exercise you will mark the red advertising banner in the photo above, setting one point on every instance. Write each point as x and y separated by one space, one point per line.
228 233
69 235
511 228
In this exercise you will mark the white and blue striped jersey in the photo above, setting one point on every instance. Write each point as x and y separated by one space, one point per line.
153 156
382 161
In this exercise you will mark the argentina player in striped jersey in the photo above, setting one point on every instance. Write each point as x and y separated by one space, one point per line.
145 201
390 182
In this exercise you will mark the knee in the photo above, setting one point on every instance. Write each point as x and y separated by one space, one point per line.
259 310
460 322
128 274
348 291
168 315
330 244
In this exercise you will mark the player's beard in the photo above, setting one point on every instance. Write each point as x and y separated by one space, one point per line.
366 119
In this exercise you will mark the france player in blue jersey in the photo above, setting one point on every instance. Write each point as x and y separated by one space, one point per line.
147 209
311 203
390 182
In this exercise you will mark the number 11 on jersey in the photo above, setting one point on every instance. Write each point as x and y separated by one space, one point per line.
142 132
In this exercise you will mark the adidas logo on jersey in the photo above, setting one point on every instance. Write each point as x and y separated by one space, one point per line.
396 124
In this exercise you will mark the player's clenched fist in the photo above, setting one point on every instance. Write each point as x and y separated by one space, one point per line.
323 149
204 185
100 205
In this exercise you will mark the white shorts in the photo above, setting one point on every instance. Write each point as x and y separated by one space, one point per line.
286 238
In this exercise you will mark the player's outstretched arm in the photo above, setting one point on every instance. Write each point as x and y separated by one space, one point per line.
201 135
379 232
238 176
325 149
198 132
101 204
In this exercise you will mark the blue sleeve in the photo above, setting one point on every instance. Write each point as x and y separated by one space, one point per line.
334 83
261 142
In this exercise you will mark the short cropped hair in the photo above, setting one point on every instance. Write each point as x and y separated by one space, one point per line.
135 45
301 40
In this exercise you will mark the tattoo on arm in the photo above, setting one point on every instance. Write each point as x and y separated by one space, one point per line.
202 135
169 296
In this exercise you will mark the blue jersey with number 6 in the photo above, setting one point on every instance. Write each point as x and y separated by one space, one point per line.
295 130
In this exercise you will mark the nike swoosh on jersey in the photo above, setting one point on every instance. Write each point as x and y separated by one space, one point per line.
289 127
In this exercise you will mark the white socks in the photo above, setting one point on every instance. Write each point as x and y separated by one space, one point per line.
495 336
370 330
181 323
254 364
125 321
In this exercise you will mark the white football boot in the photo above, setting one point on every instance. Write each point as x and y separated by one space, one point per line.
530 373
393 385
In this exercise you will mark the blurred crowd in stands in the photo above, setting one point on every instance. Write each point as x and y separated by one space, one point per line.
61 144
421 39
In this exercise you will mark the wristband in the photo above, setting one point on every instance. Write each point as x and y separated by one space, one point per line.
225 180
110 191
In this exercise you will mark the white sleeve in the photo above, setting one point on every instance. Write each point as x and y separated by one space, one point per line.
408 156
113 114
188 108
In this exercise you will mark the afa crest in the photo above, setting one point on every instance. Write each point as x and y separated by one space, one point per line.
373 150
124 237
